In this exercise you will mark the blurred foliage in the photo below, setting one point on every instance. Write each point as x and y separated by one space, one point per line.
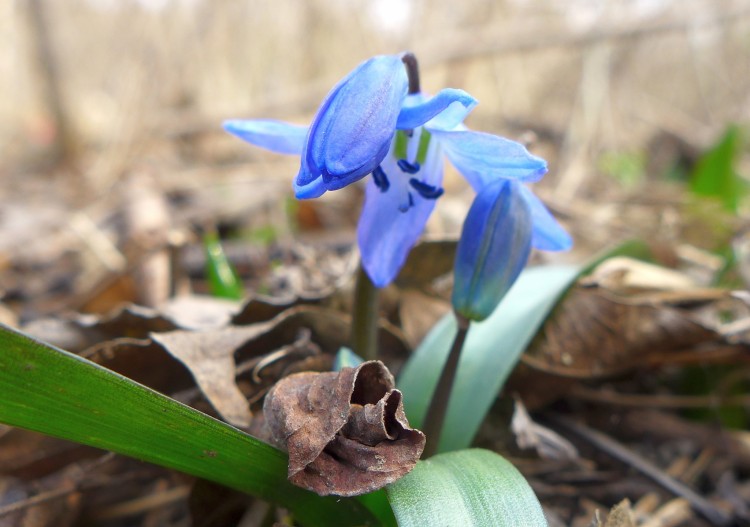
628 168
715 174
223 280
708 380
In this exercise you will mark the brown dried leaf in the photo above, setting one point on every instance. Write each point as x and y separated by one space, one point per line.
346 432
210 357
427 261
621 515
419 313
547 443
625 275
595 334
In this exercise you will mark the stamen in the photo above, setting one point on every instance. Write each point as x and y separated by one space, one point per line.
399 148
425 190
380 179
424 143
407 167
407 206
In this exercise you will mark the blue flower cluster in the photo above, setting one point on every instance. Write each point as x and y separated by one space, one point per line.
373 123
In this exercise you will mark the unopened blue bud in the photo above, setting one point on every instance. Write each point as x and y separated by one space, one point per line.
494 247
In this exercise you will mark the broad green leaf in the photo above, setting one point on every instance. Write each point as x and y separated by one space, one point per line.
491 351
222 277
346 358
715 175
468 488
60 394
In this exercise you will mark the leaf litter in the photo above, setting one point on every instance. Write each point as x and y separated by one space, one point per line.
617 356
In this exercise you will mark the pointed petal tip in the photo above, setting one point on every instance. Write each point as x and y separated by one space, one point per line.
445 110
309 191
231 125
276 136
561 242
380 280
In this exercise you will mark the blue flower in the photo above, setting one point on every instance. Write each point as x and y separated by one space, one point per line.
368 124
493 249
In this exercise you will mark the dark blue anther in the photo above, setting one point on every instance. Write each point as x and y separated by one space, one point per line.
407 167
404 208
425 190
380 179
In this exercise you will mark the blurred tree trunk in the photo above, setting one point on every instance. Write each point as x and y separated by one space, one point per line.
42 55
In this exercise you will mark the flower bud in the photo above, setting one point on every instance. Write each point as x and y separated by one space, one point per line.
494 247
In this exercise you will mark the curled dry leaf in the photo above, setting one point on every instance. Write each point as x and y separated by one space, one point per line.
346 432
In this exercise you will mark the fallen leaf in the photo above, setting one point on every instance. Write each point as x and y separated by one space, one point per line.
209 355
623 275
346 432
547 443
621 515
427 261
419 313
594 334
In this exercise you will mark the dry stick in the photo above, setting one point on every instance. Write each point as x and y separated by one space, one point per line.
308 99
639 400
143 504
49 77
624 454
433 423
437 55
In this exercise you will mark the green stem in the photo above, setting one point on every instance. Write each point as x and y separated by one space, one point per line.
365 318
433 423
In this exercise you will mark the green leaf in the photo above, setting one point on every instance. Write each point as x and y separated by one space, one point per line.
223 279
714 174
346 358
490 352
60 394
468 488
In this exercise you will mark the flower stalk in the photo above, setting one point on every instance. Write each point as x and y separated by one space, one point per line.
435 417
364 339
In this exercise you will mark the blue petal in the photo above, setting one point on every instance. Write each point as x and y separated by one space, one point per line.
385 234
482 158
306 187
417 112
493 249
354 126
276 136
548 235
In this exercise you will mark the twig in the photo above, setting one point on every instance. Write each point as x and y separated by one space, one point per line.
473 47
639 400
624 454
143 504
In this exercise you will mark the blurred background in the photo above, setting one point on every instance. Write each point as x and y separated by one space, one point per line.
620 96
118 187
